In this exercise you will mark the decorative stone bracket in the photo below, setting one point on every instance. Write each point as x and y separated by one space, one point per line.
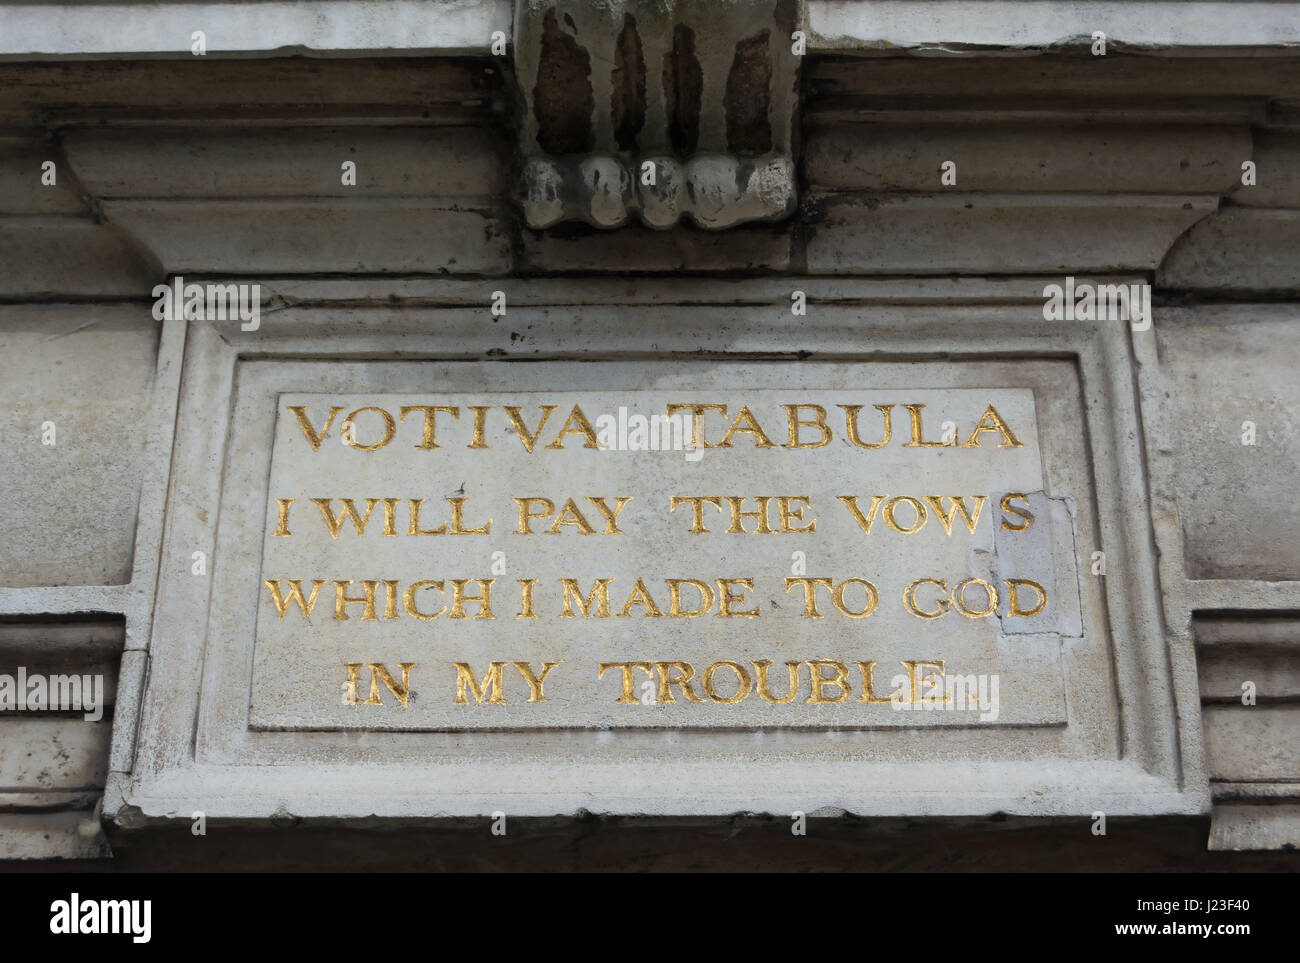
657 107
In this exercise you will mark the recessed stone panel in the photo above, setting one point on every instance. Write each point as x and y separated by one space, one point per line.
611 559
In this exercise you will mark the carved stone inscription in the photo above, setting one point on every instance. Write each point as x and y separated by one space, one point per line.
761 559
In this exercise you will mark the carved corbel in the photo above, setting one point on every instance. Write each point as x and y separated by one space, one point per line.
657 109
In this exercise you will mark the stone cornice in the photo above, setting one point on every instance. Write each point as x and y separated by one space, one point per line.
465 27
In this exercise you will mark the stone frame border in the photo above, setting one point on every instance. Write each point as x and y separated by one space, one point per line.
1161 769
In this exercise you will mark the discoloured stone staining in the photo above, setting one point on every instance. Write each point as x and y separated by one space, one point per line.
683 89
562 98
627 102
700 112
749 97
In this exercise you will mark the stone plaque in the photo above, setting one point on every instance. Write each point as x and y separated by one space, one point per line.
658 563
757 558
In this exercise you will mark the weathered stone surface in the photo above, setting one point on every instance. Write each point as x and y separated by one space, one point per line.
996 233
1277 172
22 169
712 190
1240 249
414 89
1259 743
315 236
72 505
52 753
835 26
642 109
1274 674
635 249
1253 826
1226 379
47 257
163 161
1098 159
60 834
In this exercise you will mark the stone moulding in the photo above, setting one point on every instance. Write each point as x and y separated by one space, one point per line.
715 190
1136 752
659 109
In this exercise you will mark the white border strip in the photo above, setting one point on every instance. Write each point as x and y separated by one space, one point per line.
464 27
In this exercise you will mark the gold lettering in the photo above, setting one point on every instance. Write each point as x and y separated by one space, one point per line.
640 595
873 598
350 433
335 524
342 600
458 520
408 599
599 597
295 595
1024 513
760 439
868 684
765 693
851 422
282 527
743 683
379 673
697 503
459 598
909 598
516 422
787 515
491 683
628 696
959 598
735 501
992 421
840 679
914 680
305 424
726 598
675 597
390 517
610 514
414 528
1013 597
686 672
430 419
918 509
809 593
526 586
571 515
526 513
480 427
795 423
864 522
584 428
697 421
914 413
957 506
535 682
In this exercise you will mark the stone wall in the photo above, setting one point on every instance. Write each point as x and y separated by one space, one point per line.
1116 169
